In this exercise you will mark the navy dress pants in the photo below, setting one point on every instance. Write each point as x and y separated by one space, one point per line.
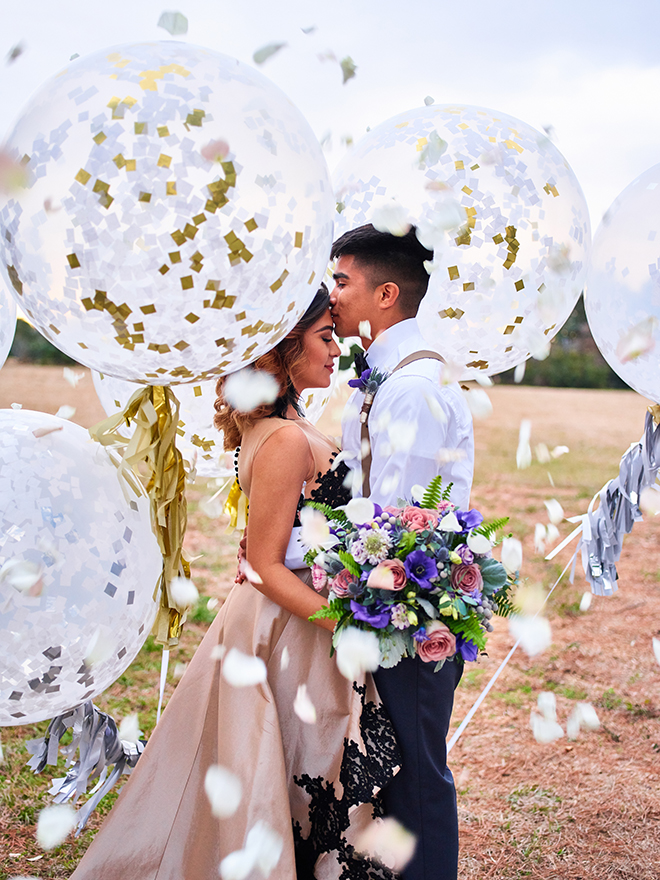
422 796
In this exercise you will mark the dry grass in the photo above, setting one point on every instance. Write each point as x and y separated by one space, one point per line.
587 810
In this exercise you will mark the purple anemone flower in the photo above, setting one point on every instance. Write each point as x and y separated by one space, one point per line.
466 648
377 615
362 379
469 519
420 568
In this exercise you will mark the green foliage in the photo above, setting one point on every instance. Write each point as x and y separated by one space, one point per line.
447 492
505 607
29 345
494 575
329 512
349 563
470 629
334 610
201 613
406 544
346 360
433 494
489 528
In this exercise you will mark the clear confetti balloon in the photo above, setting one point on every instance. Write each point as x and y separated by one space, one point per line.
503 213
622 296
7 323
177 217
79 565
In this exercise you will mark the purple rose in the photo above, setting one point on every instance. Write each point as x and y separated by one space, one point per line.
421 568
465 553
466 648
377 615
469 519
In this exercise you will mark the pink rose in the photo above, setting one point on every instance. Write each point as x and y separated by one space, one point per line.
393 511
342 583
467 579
388 575
445 506
419 518
440 644
319 578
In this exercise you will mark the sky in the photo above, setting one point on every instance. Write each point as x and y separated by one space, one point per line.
591 70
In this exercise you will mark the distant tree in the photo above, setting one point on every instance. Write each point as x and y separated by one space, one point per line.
31 347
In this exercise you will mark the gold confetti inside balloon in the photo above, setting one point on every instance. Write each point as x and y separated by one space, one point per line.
622 296
78 568
7 323
503 213
140 248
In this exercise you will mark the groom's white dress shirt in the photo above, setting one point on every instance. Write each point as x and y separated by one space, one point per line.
418 427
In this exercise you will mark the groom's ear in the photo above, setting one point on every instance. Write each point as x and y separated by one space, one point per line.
387 295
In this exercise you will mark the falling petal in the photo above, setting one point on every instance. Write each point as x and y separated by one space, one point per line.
558 451
524 451
542 453
555 511
381 578
72 376
559 259
449 523
588 716
401 435
447 215
391 217
432 151
66 412
573 724
303 706
15 52
309 30
315 531
179 670
43 432
656 648
224 791
539 538
101 647
545 731
360 510
364 329
546 703
212 603
388 842
237 865
479 544
54 825
51 207
215 151
243 670
637 341
246 569
174 23
348 68
212 507
267 52
436 408
22 575
218 652
13 175
512 555
534 633
479 403
129 729
484 381
357 651
428 100
183 593
285 659
247 389
649 501
444 456
585 601
528 338
266 845
519 373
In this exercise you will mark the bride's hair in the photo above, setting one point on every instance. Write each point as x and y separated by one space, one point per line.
281 362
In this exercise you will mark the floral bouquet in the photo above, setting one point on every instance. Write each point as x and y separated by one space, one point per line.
421 576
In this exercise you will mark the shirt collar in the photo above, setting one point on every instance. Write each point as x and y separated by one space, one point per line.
386 344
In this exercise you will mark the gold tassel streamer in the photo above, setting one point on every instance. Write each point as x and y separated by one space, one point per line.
154 410
654 409
236 506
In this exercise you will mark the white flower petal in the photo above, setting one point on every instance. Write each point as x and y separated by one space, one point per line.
637 341
360 510
539 537
401 435
380 578
315 530
224 791
524 451
247 389
218 652
66 412
267 52
101 647
246 569
542 453
479 403
266 845
436 409
444 456
512 555
179 671
174 23
72 376
559 451
285 659
183 593
534 633
585 601
555 511
237 865
547 705
129 729
54 825
588 716
303 706
215 151
656 648
449 523
417 492
22 575
391 217
387 841
545 731
364 329
357 651
243 670
519 373
212 603
649 501
573 724
479 544
551 533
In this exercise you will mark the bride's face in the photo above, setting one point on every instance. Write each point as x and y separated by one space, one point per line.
321 351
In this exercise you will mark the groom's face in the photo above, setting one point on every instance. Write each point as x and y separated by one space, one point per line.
352 299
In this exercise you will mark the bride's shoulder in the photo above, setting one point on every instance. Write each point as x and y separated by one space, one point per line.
273 433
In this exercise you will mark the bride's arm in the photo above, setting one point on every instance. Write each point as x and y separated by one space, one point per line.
278 472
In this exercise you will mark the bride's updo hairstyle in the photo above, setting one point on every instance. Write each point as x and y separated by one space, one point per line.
281 362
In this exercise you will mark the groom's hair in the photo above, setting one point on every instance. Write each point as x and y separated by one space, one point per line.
386 257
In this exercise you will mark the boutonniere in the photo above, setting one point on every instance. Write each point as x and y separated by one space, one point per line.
368 382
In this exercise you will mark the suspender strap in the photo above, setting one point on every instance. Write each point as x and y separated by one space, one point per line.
365 439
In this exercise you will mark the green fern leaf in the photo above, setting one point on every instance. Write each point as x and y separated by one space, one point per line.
447 492
349 563
433 494
470 629
329 512
489 528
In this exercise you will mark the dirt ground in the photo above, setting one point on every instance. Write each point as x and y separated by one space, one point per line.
582 810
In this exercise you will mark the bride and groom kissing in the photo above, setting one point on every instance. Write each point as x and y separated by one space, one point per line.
377 747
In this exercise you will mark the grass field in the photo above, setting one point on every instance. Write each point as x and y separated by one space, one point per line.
584 810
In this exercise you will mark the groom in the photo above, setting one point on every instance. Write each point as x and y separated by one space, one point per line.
416 428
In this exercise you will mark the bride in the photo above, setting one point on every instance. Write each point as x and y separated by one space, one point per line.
315 786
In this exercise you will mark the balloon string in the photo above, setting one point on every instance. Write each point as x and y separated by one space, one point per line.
482 696
152 454
164 663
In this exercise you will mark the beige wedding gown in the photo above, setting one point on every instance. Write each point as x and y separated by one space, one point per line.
315 785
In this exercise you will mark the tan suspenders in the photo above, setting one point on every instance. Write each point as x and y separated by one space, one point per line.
365 440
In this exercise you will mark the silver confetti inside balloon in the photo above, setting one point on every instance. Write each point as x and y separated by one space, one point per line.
501 209
7 323
79 565
622 296
177 217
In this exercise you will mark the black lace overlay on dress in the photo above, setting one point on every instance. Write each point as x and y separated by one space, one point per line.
359 775
329 489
